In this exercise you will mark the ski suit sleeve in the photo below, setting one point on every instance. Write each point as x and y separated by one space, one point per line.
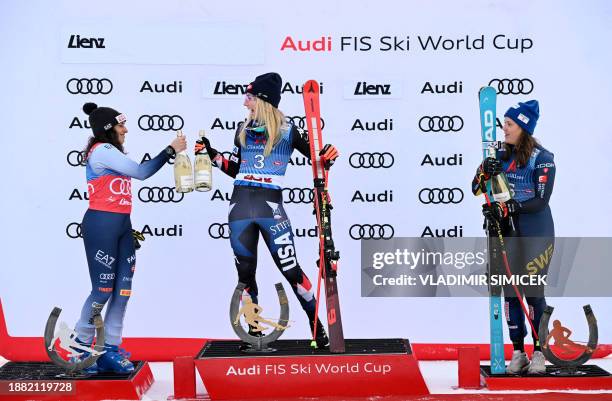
111 158
544 180
230 166
299 141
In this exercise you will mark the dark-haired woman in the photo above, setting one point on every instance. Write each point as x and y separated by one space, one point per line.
107 229
530 170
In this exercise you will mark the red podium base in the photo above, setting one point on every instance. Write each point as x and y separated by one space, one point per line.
370 367
593 378
45 381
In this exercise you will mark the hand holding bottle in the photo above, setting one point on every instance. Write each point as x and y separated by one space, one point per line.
179 143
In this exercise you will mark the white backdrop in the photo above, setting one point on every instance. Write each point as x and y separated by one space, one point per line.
183 283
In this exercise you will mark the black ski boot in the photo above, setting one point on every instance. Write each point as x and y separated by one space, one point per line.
321 336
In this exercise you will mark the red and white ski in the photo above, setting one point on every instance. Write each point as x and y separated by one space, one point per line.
328 256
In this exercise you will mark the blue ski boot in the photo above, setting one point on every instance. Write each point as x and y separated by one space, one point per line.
115 359
91 370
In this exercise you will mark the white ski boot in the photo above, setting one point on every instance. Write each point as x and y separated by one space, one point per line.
538 364
518 364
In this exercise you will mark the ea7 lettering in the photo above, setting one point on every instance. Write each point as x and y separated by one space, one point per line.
104 258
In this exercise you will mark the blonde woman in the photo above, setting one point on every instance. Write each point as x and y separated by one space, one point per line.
263 146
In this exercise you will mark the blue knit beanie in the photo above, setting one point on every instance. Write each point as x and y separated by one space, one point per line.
525 115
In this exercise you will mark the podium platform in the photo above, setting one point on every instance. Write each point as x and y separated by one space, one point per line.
45 381
370 367
593 378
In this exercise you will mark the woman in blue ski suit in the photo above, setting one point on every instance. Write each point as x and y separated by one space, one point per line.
262 148
530 170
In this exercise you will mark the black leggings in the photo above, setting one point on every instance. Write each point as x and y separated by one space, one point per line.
255 210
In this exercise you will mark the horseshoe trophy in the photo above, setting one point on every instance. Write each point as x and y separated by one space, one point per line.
251 313
68 344
576 354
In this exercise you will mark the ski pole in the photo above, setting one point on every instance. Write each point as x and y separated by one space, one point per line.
507 266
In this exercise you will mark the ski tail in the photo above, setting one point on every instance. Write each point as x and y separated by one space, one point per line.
328 256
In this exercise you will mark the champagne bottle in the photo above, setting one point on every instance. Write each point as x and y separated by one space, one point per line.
500 188
183 176
203 169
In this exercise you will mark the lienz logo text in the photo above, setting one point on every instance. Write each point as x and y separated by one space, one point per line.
226 88
78 42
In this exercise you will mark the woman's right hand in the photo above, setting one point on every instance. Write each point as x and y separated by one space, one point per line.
179 144
491 166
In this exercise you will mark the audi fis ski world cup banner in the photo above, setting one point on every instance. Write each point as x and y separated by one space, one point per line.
398 92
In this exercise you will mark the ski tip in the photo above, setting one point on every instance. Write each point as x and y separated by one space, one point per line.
313 344
310 86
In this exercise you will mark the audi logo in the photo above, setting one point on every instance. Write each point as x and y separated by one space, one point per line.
371 160
440 195
218 230
298 195
159 194
73 230
440 123
371 231
121 186
76 158
87 86
160 123
512 86
300 122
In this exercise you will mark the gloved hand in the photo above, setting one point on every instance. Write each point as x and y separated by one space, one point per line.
329 153
491 166
501 210
204 143
137 237
495 210
513 206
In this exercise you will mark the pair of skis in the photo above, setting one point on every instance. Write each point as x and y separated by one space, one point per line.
328 256
487 97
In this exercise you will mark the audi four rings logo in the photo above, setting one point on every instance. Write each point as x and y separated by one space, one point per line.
89 86
440 123
120 186
371 160
298 195
218 230
73 230
440 195
300 122
371 231
160 123
512 86
159 194
75 158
